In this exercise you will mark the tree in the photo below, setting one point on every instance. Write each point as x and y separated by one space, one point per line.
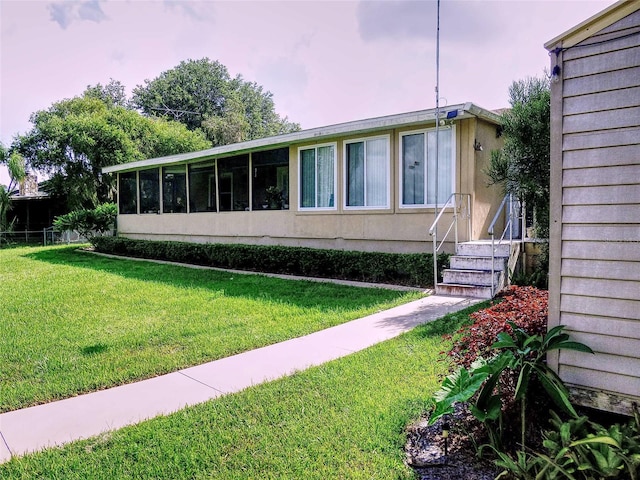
202 94
522 166
113 93
15 164
74 139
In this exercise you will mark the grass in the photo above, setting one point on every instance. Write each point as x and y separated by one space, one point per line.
342 420
73 322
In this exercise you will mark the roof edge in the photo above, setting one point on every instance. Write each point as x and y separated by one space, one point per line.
318 133
594 24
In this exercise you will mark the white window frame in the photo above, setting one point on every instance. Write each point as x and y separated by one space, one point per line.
345 193
426 131
335 176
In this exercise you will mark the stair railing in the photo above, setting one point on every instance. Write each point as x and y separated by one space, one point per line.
507 202
457 202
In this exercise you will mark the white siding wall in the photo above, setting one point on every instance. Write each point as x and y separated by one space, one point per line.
595 238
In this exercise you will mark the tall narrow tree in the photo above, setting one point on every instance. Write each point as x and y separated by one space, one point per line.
15 164
522 166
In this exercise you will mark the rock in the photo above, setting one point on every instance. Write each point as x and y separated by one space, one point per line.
425 452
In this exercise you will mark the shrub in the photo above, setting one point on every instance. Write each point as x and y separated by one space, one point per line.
88 223
580 449
415 269
526 307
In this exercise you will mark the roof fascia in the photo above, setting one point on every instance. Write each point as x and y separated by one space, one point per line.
594 24
358 127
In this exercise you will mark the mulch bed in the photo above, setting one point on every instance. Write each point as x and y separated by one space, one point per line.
425 451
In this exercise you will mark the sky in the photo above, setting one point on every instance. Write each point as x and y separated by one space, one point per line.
325 62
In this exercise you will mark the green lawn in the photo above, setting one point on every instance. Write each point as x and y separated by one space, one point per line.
342 420
74 322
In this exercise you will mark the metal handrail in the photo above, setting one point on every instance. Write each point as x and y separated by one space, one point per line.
455 200
507 227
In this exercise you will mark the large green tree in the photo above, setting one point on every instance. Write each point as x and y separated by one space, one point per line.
522 165
113 93
202 94
74 139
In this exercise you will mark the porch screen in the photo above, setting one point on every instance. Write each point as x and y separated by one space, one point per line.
128 192
367 173
270 185
419 167
174 189
149 185
202 187
234 183
317 177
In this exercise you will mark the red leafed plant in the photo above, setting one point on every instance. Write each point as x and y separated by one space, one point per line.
524 306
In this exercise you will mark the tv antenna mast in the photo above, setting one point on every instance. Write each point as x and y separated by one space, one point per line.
437 106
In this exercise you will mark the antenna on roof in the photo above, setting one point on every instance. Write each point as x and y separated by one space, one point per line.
437 104
177 114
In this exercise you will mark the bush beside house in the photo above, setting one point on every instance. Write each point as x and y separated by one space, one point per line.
414 269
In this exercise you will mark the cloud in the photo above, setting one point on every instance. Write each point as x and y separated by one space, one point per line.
62 14
91 11
460 21
199 11
66 12
290 76
118 56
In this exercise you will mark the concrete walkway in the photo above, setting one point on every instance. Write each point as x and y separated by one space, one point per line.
56 423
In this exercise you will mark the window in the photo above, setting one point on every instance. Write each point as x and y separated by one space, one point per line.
202 187
418 157
367 173
317 177
234 183
149 184
270 185
174 189
128 192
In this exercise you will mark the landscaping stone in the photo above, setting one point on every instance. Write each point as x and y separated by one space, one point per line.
425 453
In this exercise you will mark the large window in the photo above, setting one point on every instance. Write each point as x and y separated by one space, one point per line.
419 169
202 187
234 183
174 189
149 181
367 173
128 192
270 184
317 177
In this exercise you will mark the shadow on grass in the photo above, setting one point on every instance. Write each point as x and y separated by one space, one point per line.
451 322
436 319
304 294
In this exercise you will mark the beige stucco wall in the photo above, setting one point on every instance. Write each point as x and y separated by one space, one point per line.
486 197
394 229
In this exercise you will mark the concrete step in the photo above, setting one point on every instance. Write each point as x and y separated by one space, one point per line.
473 291
470 277
460 262
482 248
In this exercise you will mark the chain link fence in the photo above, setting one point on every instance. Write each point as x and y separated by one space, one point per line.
47 236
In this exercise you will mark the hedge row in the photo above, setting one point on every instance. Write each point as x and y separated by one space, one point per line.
413 269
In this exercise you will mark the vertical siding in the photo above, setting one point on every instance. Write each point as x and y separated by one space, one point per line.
595 231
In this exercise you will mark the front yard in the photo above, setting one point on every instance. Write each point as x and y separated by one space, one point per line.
73 322
341 420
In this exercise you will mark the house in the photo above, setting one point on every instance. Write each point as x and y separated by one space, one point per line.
369 185
594 278
33 210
